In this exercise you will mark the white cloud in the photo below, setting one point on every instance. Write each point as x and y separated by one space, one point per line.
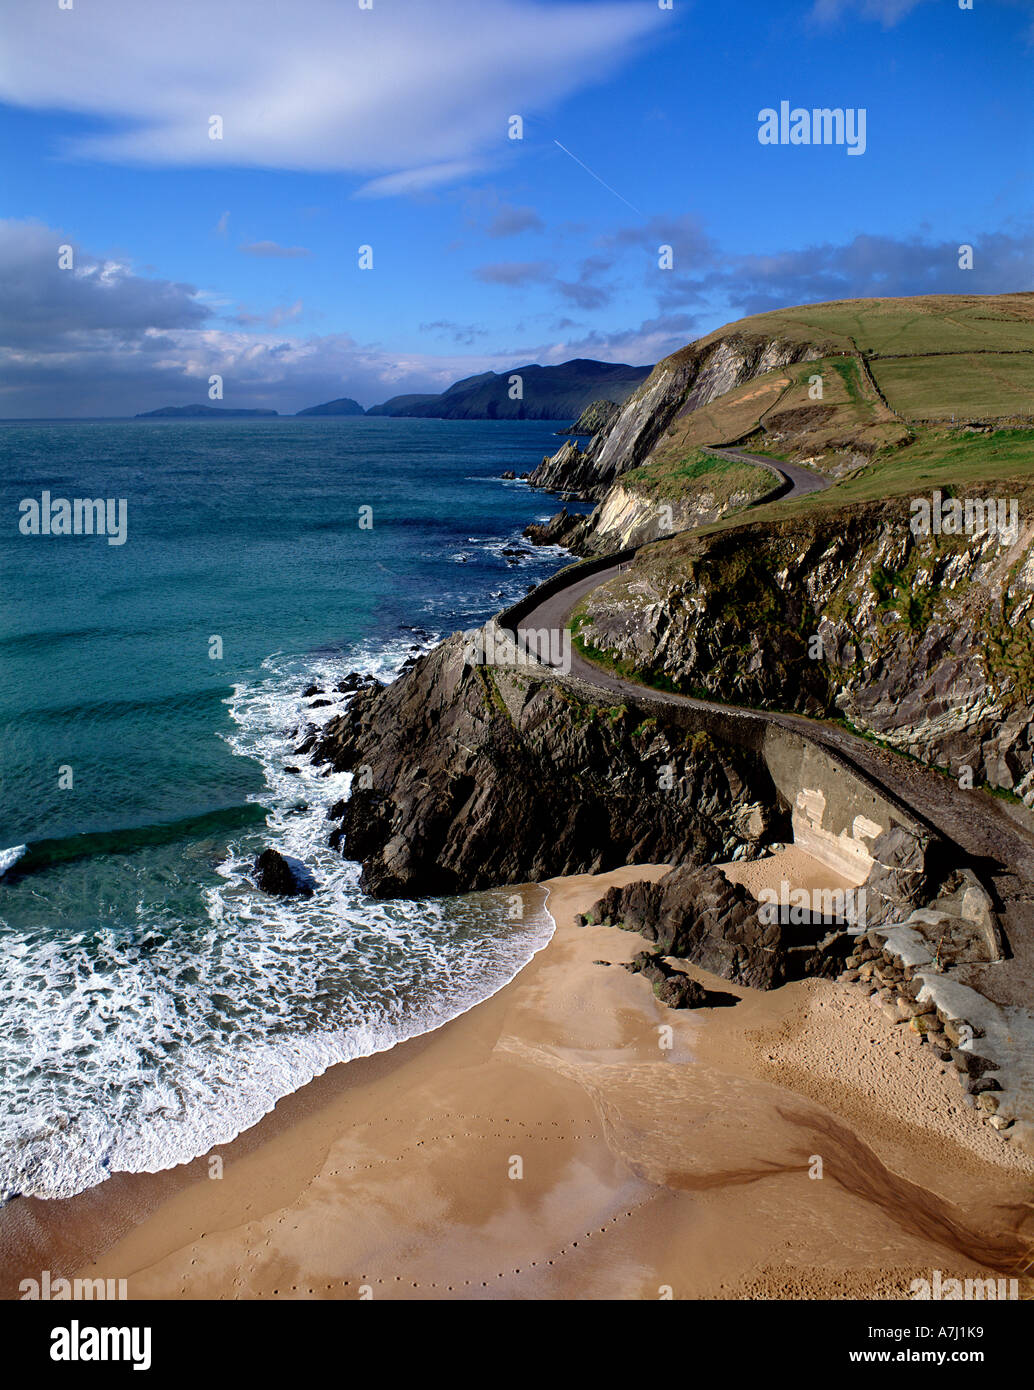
99 339
45 306
419 180
409 93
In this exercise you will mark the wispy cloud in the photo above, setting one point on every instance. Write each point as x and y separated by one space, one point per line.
457 332
590 290
283 313
515 272
887 12
419 180
274 249
303 86
511 221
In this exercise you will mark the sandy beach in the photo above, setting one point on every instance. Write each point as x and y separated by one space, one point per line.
571 1138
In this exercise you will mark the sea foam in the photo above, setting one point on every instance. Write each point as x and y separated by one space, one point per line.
135 1051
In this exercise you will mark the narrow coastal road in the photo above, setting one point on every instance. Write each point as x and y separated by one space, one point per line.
554 612
993 835
801 479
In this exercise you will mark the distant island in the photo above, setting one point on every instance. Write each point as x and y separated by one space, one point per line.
197 412
564 392
546 393
345 405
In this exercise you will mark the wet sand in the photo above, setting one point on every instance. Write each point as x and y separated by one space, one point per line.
572 1138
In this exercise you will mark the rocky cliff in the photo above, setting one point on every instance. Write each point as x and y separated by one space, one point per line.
656 501
595 417
469 776
696 914
689 379
925 641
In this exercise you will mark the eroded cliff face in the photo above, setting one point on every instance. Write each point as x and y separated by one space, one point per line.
693 377
627 517
471 776
925 641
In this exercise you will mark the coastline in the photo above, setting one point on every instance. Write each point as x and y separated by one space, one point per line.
397 1174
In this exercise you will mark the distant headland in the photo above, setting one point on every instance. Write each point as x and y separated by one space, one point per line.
530 392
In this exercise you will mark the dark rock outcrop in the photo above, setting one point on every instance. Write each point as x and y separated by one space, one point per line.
281 877
356 681
558 530
672 987
475 776
696 914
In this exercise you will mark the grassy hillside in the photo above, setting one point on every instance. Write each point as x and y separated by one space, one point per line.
932 391
934 323
985 385
668 478
926 642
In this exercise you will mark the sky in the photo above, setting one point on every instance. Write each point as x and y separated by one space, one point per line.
389 125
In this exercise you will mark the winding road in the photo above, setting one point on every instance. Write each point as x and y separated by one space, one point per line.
994 836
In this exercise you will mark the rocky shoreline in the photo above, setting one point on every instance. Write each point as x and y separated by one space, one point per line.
470 775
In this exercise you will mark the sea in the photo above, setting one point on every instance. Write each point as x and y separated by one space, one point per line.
153 1002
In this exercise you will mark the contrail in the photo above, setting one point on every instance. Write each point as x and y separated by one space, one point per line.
598 179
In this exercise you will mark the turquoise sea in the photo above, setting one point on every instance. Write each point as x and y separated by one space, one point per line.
152 1001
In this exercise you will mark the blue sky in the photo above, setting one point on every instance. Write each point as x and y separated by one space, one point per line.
388 127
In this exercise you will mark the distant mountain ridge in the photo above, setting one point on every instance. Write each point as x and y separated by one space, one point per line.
562 392
546 393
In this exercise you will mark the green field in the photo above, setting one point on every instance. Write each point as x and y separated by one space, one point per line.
967 386
951 460
698 472
894 327
896 375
